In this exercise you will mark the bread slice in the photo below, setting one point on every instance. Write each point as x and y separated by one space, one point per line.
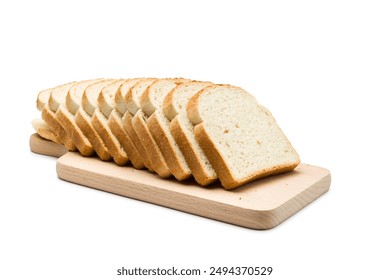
138 118
106 103
44 131
43 98
151 103
67 119
83 118
175 104
240 138
49 116
100 122
124 130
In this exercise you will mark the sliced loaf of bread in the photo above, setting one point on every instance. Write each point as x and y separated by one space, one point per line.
158 124
83 117
240 138
138 120
175 104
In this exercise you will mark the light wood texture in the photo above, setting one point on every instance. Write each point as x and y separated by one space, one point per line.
262 204
45 147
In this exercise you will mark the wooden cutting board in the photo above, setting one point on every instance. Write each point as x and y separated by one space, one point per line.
262 204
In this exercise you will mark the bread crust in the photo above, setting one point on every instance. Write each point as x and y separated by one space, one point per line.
115 124
167 149
44 131
128 126
66 119
219 164
99 123
83 121
159 164
192 107
190 154
168 107
50 118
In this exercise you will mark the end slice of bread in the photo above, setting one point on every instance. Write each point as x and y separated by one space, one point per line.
240 137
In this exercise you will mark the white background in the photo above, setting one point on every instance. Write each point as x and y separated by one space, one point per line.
321 67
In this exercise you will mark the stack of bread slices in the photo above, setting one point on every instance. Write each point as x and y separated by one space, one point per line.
172 126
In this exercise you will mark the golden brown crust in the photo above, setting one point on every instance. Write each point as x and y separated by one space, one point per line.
150 146
115 124
168 107
83 121
167 149
128 126
216 160
191 156
66 119
144 98
109 140
49 117
48 134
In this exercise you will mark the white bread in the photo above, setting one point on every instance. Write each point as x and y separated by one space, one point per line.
106 103
138 125
83 119
67 119
175 104
100 122
217 129
151 103
240 138
49 116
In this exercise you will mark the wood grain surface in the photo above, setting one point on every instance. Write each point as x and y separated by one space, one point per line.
261 204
